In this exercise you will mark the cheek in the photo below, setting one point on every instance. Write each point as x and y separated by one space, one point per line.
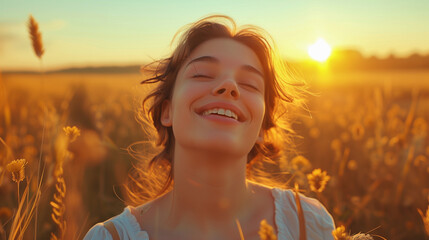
257 105
183 98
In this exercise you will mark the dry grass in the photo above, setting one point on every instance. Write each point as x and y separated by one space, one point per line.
373 143
425 219
24 214
21 136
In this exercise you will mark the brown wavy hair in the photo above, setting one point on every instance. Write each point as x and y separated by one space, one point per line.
154 175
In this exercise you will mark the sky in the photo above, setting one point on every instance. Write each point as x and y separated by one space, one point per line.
94 33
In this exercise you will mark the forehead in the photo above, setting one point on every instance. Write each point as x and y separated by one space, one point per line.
228 51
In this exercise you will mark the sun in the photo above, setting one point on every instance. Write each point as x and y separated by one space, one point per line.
320 50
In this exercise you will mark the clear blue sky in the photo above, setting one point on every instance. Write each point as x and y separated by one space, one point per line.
80 33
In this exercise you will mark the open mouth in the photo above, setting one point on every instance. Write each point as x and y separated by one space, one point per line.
226 110
221 112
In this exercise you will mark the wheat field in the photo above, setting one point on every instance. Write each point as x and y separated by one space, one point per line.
369 136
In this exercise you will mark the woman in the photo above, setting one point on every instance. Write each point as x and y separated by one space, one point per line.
217 110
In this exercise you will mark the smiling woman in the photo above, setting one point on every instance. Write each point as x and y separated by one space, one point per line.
218 115
228 88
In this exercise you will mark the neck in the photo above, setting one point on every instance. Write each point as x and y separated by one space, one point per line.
210 191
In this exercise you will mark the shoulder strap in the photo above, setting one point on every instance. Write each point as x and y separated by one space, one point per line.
112 230
302 232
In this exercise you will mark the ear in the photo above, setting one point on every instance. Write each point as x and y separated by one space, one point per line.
166 115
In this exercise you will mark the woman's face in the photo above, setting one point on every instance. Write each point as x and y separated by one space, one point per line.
218 99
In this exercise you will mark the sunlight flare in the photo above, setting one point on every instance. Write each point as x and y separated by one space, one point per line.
320 50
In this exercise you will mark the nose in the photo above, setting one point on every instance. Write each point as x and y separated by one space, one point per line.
228 88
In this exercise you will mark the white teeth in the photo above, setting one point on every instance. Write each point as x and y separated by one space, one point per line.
228 113
221 111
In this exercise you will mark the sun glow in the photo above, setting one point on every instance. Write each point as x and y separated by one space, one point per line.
320 50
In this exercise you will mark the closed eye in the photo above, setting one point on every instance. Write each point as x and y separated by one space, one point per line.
250 86
201 76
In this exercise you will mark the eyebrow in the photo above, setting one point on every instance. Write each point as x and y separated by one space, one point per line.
215 60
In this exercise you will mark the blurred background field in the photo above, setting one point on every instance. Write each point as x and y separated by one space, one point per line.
366 123
368 130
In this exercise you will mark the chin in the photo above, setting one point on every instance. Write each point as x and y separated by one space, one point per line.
224 146
217 142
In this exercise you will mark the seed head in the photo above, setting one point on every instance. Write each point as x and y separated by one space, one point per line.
16 168
300 163
340 234
420 160
425 219
72 132
336 144
36 37
266 231
318 180
362 236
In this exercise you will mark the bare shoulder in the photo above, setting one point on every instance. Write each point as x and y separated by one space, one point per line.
264 207
148 214
264 199
259 188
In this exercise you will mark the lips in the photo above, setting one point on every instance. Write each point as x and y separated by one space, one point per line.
221 112
222 109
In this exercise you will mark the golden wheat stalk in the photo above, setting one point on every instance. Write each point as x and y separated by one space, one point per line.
36 40
24 213
58 206
16 168
36 37
404 174
425 219
239 229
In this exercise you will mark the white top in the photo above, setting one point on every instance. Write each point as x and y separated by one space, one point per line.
319 223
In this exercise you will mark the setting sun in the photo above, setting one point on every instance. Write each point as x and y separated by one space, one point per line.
320 50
